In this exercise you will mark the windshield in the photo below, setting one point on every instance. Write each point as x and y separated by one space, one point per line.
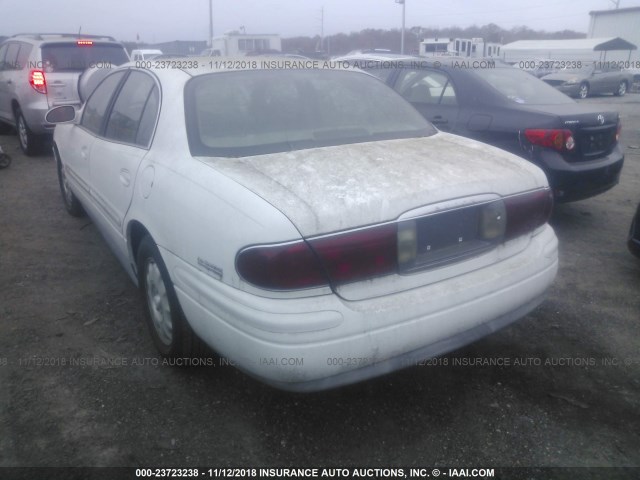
521 87
70 57
265 111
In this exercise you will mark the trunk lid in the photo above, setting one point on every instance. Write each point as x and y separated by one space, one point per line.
593 129
330 189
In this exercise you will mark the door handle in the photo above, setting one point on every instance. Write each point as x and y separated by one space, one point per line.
125 177
83 152
439 120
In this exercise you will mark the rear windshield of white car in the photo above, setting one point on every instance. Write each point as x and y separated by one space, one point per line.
71 57
521 87
245 113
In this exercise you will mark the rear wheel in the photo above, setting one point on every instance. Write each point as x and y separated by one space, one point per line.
5 160
5 128
30 143
622 89
169 330
71 202
583 92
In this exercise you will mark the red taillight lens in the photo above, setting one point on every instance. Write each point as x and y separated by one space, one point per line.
335 259
281 267
85 43
552 138
618 130
38 81
358 255
527 211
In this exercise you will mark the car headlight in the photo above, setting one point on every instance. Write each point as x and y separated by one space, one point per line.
572 81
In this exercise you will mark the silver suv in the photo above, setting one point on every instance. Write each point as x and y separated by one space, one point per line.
40 71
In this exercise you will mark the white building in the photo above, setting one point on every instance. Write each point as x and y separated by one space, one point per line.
623 23
459 47
238 44
577 50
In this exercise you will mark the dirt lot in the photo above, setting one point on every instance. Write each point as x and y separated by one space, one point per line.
567 392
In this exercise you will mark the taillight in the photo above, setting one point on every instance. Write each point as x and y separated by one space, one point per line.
38 81
336 259
527 211
390 248
288 266
618 129
357 255
84 43
558 139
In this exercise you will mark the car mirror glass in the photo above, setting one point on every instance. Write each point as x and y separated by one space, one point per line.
61 114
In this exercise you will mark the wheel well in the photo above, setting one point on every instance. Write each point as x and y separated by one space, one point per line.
136 233
15 107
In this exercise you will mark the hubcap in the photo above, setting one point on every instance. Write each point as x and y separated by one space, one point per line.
584 91
22 132
622 89
158 303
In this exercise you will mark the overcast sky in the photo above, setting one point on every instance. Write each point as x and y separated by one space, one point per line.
166 20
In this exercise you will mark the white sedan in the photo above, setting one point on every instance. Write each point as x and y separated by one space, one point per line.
307 224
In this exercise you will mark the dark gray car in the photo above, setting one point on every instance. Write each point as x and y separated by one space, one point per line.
595 78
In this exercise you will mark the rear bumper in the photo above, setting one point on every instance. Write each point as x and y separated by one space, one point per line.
34 113
572 181
315 343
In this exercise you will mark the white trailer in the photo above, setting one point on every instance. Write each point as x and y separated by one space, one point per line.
235 44
459 47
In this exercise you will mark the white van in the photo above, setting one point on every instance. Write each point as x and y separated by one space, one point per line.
145 54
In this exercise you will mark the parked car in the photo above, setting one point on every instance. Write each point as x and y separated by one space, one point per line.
309 225
40 71
575 144
145 54
634 234
591 79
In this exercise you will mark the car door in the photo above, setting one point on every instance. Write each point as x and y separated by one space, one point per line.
4 103
116 156
8 59
599 81
84 134
432 94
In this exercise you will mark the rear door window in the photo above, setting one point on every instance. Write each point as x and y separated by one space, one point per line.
11 57
125 118
93 117
426 87
23 55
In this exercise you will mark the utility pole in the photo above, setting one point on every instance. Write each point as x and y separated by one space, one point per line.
211 23
403 18
321 30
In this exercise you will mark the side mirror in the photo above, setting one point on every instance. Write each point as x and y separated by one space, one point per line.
61 114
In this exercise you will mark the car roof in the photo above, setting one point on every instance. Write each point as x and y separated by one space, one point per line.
377 57
226 64
435 62
70 37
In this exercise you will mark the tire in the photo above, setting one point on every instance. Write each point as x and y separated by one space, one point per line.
583 92
30 143
5 160
5 128
622 89
71 202
171 334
